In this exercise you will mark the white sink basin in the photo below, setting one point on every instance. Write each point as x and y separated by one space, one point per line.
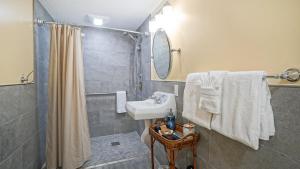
157 107
150 109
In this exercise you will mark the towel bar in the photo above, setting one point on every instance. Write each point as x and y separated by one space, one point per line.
291 75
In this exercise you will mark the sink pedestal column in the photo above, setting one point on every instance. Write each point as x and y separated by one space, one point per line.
145 137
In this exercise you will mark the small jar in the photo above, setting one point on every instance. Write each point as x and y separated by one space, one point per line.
188 129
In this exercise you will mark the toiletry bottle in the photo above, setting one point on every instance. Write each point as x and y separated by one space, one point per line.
171 121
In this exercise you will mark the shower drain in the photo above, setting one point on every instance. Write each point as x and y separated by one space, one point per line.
116 143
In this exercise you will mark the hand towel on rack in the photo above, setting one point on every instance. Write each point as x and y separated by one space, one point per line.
210 94
191 99
245 99
267 126
121 101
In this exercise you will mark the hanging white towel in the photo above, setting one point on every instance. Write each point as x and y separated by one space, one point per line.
267 126
246 111
210 95
191 99
121 101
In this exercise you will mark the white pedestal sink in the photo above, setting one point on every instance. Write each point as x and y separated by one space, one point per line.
158 106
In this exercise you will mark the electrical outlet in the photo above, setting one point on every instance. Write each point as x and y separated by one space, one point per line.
176 90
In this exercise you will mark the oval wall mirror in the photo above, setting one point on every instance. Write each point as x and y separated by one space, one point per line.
161 50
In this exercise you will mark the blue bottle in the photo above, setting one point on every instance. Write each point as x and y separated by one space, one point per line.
171 124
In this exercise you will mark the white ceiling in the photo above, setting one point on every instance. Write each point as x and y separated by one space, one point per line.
124 14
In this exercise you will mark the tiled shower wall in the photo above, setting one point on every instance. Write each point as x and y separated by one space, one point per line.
109 60
144 61
19 134
218 152
42 47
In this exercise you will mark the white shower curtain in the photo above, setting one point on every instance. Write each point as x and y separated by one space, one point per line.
68 140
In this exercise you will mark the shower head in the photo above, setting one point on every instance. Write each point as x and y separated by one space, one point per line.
131 36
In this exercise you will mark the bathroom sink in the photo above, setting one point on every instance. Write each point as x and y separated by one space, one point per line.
158 106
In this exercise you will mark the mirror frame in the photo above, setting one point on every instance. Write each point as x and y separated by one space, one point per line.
170 53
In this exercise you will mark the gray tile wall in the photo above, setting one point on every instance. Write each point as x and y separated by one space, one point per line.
145 71
145 60
218 152
42 45
109 61
19 138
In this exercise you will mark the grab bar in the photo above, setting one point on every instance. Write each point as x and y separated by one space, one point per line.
96 94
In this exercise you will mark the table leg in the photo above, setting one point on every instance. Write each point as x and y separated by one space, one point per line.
152 153
172 159
194 156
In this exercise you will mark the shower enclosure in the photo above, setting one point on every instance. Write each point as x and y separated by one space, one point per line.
111 63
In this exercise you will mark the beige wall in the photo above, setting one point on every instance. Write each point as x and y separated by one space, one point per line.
16 40
235 35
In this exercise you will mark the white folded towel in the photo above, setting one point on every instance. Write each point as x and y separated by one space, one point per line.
121 101
191 99
210 95
246 113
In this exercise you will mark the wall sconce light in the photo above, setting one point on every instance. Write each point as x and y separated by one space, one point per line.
166 19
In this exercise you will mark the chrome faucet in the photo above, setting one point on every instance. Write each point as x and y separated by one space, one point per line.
157 99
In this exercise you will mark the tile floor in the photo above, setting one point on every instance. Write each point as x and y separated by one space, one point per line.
130 154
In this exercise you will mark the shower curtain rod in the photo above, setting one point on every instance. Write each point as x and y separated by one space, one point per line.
42 22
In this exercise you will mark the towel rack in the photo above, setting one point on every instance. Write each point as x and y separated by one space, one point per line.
290 74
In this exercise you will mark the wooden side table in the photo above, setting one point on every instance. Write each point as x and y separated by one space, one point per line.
171 146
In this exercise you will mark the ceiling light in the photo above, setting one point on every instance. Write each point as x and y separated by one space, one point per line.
98 21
